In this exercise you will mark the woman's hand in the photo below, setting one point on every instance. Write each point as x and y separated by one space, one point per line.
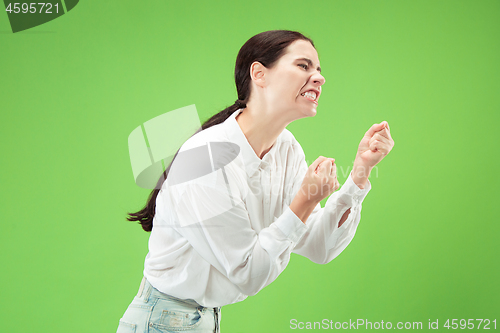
319 182
374 146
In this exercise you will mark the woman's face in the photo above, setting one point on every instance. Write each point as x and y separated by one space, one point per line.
294 83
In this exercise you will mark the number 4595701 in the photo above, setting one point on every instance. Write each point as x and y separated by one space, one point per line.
31 8
470 324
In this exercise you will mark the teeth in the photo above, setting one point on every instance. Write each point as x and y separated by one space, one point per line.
310 94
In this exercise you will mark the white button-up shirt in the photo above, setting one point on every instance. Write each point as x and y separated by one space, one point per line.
224 234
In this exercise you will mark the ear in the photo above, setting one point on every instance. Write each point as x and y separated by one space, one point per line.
257 73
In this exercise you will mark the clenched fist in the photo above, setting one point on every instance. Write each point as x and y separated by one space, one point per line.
320 180
375 145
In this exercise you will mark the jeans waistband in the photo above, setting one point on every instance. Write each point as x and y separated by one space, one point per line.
146 290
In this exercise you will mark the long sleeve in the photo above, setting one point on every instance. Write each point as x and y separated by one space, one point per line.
324 240
211 214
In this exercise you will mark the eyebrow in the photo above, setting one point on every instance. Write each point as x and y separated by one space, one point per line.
310 63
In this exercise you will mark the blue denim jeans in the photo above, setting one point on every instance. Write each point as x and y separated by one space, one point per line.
153 311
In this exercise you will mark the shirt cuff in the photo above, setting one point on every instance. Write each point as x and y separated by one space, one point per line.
291 226
350 189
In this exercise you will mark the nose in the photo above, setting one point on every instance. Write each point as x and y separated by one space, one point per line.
318 79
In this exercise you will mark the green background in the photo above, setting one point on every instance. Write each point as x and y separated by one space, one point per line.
73 89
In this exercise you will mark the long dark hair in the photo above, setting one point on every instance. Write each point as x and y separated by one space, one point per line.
266 48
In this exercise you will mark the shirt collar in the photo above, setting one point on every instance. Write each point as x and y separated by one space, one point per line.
235 134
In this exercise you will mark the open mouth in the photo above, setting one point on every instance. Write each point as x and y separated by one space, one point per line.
311 96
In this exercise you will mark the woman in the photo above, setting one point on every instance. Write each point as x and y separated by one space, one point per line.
220 236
